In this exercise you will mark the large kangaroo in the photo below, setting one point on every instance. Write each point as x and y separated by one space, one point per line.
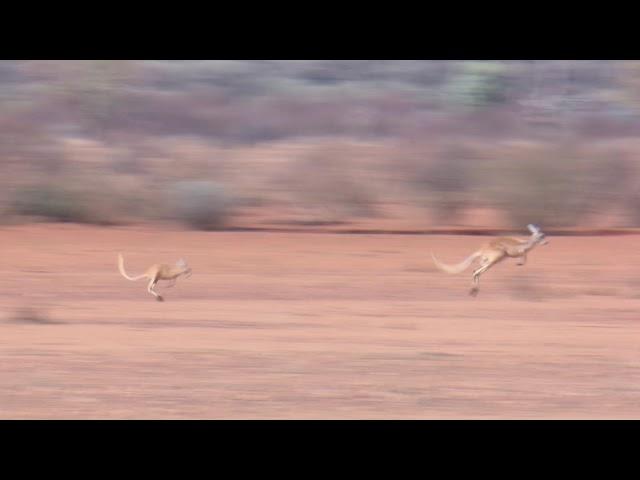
493 252
157 272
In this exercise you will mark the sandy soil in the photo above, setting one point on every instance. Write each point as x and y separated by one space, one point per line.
314 326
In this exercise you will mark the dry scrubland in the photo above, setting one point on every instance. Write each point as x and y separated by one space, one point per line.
206 160
275 325
210 142
390 184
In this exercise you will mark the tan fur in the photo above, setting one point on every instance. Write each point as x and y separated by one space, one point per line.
157 272
494 252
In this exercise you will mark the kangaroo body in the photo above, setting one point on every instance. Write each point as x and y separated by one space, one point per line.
494 252
157 272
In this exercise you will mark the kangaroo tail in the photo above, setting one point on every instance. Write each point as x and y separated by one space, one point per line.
122 271
460 267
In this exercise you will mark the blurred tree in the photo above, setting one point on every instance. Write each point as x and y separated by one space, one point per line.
478 84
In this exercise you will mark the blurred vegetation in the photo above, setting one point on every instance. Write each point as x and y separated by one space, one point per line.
479 84
551 187
201 204
324 186
71 200
552 142
442 184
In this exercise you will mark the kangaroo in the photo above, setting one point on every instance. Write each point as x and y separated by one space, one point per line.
157 272
495 251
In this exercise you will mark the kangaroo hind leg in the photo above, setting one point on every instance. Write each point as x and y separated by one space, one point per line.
152 283
484 266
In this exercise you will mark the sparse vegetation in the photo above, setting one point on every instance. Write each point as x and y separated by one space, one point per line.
553 187
478 84
71 200
51 202
443 183
325 184
158 122
201 204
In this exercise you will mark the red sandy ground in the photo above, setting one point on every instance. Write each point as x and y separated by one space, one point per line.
314 326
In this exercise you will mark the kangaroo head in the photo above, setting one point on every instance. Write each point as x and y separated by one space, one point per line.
182 263
537 236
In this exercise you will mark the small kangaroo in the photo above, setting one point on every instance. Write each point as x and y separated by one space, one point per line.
495 251
157 272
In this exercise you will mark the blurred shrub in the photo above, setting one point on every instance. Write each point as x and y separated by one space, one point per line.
92 200
478 84
323 182
444 182
613 185
201 204
52 202
550 187
632 208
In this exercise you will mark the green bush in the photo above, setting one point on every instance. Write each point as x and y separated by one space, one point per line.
478 84
52 202
81 199
201 204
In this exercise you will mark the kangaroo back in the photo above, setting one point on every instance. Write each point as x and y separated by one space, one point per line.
458 268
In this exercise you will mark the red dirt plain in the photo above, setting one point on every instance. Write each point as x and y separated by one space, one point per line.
314 326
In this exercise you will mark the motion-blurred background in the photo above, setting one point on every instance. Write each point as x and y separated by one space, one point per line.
261 143
162 160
